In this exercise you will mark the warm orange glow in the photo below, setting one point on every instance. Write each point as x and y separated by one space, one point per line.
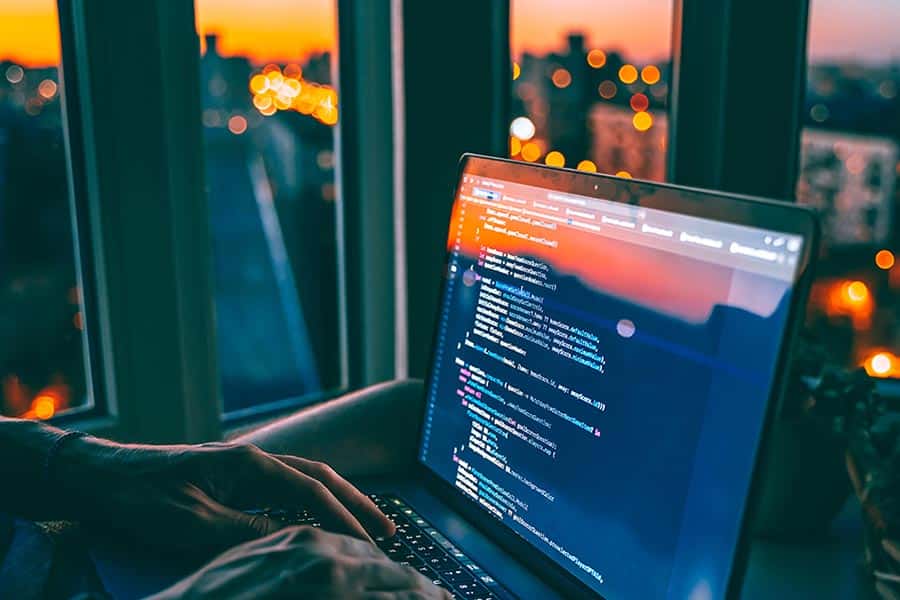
262 102
47 89
77 321
515 146
555 159
587 165
628 74
623 174
882 364
29 33
259 83
274 32
650 74
237 124
293 71
531 151
856 292
607 90
642 121
639 103
596 58
561 78
516 70
884 259
44 406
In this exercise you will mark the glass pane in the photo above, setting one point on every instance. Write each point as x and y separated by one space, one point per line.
849 166
591 84
41 347
269 110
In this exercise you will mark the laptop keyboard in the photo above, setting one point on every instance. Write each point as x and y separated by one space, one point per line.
420 546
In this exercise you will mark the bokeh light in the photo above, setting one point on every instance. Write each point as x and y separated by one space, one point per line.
237 124
628 74
555 159
587 165
516 70
623 174
515 145
882 364
607 90
856 292
639 103
596 58
650 74
884 259
522 128
259 83
642 121
15 74
561 78
44 406
531 151
47 89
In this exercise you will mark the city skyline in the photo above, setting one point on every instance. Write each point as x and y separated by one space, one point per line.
641 29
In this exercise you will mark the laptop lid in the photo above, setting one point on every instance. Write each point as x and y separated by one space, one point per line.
605 360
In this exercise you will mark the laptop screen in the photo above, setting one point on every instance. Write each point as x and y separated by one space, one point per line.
600 378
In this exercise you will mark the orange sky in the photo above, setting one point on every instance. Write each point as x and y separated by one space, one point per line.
283 30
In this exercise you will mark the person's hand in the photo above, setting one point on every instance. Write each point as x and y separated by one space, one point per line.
189 499
302 562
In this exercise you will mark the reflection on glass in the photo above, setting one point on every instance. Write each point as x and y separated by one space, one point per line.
269 107
850 159
41 365
591 85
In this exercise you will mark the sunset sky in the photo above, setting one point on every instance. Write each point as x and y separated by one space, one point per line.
281 30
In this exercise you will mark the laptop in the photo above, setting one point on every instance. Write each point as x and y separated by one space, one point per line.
606 366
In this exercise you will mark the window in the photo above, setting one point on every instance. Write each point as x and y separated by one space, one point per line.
591 84
269 111
849 166
41 322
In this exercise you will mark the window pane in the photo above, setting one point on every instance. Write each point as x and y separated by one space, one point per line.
269 110
849 165
591 84
41 346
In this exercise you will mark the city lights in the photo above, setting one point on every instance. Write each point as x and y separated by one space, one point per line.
642 121
607 90
882 364
522 128
856 292
623 174
650 74
561 78
587 165
531 151
47 89
596 58
274 90
15 74
628 74
516 70
44 407
555 159
237 124
884 259
819 113
515 146
639 103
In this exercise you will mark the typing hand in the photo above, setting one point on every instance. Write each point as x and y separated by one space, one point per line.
302 562
189 498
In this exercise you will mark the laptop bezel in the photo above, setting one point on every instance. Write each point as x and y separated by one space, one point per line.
720 206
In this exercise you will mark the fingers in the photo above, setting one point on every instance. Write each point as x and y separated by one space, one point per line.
385 576
234 527
302 490
358 503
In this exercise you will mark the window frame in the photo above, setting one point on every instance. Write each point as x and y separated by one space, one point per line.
155 377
